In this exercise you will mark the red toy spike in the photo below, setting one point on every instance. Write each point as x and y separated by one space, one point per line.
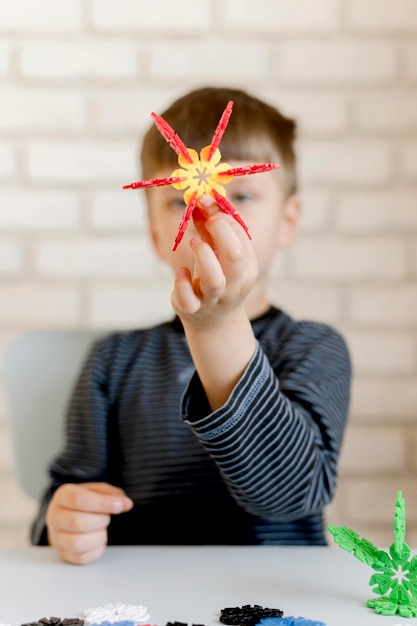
154 182
171 137
221 127
184 220
250 169
225 206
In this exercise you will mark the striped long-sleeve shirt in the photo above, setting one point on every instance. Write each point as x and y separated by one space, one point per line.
258 470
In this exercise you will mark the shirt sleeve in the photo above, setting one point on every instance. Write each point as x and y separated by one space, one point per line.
277 439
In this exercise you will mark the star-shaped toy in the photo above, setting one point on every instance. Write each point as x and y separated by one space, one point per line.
201 174
396 572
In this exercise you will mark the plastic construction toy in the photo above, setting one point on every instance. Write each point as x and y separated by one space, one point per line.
248 615
201 174
289 621
57 621
120 614
396 572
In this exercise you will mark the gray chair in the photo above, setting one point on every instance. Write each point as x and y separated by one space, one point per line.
40 369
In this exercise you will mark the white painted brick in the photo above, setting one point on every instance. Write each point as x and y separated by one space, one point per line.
158 16
130 307
129 110
411 60
385 399
119 210
7 161
325 257
94 257
411 536
334 513
384 306
322 304
5 51
19 506
33 110
38 210
386 111
373 500
90 60
280 16
316 205
315 113
345 162
376 212
11 256
373 450
83 162
385 353
414 258
239 64
383 16
337 62
6 451
48 16
15 536
412 438
409 160
39 305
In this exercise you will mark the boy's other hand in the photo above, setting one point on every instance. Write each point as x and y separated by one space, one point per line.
78 516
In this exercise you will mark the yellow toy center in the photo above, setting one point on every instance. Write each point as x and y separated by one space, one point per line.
202 175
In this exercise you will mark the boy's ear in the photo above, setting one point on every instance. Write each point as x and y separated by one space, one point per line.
290 216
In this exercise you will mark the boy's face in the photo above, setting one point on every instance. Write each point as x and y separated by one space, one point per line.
257 198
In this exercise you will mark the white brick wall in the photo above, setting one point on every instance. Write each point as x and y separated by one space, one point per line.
49 17
281 17
338 62
374 16
82 162
411 60
30 110
63 62
78 81
7 161
4 59
38 210
160 17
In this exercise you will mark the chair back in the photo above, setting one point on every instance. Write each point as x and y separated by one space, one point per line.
40 370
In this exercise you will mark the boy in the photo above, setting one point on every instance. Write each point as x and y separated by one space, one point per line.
223 425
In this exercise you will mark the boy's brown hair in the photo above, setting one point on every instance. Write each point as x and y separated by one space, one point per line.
256 133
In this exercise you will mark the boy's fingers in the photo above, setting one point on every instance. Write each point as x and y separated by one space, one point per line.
212 281
78 543
106 488
82 558
72 521
93 498
204 208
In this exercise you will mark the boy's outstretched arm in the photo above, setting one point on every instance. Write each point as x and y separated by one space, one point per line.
211 302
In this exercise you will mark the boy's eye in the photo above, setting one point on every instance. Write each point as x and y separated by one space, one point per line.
241 197
177 204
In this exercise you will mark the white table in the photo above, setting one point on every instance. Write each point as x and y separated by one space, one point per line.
191 584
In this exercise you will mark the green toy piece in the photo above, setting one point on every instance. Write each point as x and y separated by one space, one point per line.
396 573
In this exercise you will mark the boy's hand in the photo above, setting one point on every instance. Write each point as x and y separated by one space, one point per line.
78 516
225 268
211 301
